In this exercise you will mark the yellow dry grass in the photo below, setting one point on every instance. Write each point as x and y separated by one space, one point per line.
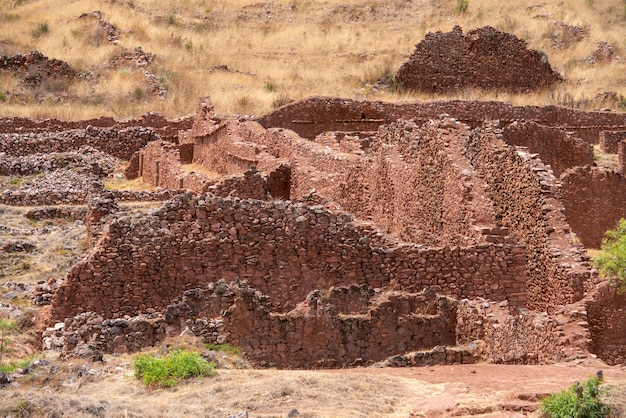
284 49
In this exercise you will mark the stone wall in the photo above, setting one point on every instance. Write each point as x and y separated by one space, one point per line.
594 202
525 198
283 249
556 148
621 150
160 165
84 160
484 58
361 326
607 323
412 181
522 337
609 141
384 324
120 143
166 130
312 116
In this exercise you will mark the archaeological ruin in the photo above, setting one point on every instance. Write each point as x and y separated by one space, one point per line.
332 233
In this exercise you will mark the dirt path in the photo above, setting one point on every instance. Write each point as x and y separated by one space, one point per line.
495 390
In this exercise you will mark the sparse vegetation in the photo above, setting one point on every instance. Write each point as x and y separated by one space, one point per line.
227 348
612 261
269 86
15 365
168 371
579 401
40 30
5 326
622 99
462 5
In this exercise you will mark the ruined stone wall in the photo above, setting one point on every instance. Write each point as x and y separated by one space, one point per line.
393 323
161 165
525 201
484 58
607 323
416 186
284 250
594 202
621 150
520 338
35 68
360 326
229 148
167 130
555 147
120 143
609 141
315 115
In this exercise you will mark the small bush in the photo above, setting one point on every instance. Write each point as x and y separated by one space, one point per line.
568 404
612 261
168 371
622 99
462 5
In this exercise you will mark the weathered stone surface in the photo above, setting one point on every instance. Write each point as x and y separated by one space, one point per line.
484 58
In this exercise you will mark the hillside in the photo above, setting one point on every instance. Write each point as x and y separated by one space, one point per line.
252 56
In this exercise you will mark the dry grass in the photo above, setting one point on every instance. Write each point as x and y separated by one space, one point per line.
199 168
57 244
263 393
305 48
118 182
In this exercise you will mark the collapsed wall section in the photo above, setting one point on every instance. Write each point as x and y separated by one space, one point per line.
594 202
284 250
484 58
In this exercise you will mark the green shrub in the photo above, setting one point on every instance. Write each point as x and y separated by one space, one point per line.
612 261
567 404
622 99
168 371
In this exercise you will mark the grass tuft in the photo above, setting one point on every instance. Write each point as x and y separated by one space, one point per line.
170 370
40 30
